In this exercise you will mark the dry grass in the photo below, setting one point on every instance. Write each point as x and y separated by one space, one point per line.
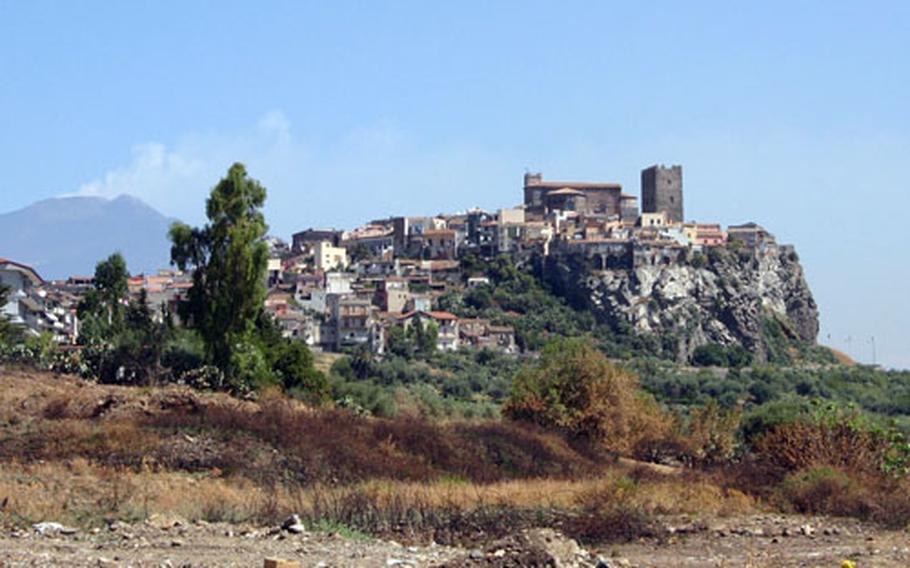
79 492
83 454
324 360
842 357
275 440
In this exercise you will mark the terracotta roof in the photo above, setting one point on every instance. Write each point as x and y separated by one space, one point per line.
292 316
442 315
28 270
565 191
576 185
594 241
444 264
436 233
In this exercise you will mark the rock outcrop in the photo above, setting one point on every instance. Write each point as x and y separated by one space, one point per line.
754 298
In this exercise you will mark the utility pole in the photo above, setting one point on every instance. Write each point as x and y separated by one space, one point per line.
873 349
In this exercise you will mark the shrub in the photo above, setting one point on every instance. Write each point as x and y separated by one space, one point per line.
824 490
716 355
711 434
842 443
576 390
292 362
762 419
829 490
656 432
612 513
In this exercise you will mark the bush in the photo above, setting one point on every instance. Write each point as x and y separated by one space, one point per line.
823 490
711 435
611 514
338 445
576 390
762 419
836 438
835 491
716 355
292 362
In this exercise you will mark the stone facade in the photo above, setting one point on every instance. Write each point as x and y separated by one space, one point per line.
309 237
662 191
599 198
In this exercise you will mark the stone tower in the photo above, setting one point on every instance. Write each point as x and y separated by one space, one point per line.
662 191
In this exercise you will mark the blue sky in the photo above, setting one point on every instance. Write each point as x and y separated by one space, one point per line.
792 114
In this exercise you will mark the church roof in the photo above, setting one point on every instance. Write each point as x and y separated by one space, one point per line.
576 185
565 191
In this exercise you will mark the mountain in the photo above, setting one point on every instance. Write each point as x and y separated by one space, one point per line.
66 236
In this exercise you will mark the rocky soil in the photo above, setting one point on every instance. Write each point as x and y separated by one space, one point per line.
777 541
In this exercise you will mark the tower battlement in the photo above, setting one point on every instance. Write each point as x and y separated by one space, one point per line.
662 191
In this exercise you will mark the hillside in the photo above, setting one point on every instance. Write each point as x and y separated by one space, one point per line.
66 236
757 299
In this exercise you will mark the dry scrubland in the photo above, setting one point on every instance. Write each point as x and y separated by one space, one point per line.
87 455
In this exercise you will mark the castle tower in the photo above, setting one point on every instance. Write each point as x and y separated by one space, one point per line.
662 191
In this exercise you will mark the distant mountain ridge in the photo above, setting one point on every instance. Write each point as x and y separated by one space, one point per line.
66 236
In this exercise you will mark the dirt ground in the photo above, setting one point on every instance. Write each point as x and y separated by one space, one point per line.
772 541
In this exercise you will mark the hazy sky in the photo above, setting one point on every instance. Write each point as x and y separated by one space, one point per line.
792 114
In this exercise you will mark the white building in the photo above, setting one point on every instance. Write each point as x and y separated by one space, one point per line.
31 306
22 281
328 257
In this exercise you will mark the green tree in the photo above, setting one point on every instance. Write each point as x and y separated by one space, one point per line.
111 284
480 298
293 363
710 355
102 310
229 261
124 342
426 336
145 339
399 342
716 355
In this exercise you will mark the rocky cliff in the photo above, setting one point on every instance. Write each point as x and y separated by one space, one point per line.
757 299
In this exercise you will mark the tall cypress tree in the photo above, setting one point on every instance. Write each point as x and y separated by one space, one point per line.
230 261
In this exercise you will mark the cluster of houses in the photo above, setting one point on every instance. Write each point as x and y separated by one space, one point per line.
336 289
38 306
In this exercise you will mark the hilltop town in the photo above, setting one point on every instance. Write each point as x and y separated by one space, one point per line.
340 289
